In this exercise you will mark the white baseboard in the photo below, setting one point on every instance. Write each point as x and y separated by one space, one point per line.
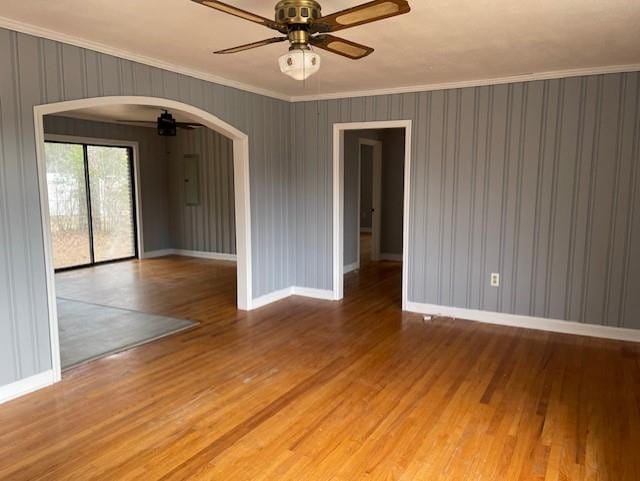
291 291
219 256
270 298
391 257
158 253
324 294
528 322
351 267
25 386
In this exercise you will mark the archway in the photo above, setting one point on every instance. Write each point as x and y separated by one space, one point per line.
241 194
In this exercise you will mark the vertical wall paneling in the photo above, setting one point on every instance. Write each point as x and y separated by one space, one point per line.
628 257
208 226
37 71
537 181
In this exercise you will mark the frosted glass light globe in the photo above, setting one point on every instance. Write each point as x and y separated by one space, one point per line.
299 64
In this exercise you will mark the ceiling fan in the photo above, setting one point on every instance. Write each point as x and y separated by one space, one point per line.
304 26
165 124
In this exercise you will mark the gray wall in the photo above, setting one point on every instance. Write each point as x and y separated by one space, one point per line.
392 199
366 187
154 182
210 225
538 181
37 71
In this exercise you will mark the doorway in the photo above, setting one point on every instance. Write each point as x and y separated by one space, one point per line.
342 174
92 203
369 199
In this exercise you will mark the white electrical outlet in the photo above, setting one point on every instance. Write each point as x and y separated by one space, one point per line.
495 279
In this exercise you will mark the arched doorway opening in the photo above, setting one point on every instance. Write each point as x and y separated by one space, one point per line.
241 196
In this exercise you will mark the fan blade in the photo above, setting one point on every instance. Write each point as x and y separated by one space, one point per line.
340 46
365 13
188 125
137 123
248 46
252 17
151 124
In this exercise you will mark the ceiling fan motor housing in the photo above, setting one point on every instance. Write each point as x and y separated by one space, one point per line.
297 12
298 15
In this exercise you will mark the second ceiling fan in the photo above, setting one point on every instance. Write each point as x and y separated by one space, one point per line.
304 26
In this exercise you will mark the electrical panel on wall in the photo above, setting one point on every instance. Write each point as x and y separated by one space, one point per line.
191 179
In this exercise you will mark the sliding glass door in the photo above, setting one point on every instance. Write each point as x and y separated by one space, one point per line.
68 204
112 211
91 203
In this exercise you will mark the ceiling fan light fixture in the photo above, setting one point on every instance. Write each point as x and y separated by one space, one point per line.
303 25
299 63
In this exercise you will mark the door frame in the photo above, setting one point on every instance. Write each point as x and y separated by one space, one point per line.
338 200
376 196
241 188
135 149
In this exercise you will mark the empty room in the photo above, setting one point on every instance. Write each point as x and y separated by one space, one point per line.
320 240
123 186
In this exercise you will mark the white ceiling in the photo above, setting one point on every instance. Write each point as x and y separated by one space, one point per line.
128 114
440 41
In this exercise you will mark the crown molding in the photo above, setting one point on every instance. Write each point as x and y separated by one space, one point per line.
127 55
529 77
34 30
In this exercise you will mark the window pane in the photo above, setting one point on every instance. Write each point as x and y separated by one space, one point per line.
111 202
67 204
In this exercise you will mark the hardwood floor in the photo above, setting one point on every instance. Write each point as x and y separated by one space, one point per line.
314 390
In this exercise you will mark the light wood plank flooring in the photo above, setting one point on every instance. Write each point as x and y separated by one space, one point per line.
313 390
